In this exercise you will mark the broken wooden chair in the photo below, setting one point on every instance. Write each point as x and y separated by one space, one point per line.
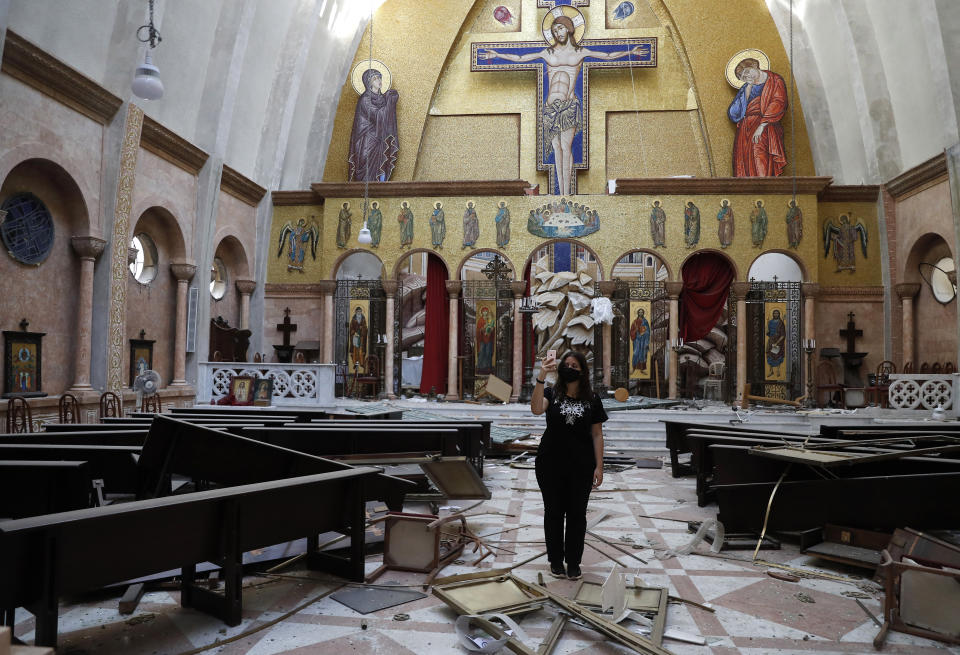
423 543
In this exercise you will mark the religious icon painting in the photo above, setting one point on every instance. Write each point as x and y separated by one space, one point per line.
405 219
725 223
241 388
658 224
486 336
295 239
640 334
141 357
775 342
22 363
263 392
358 332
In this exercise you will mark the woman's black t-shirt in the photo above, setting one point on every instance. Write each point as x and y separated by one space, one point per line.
569 433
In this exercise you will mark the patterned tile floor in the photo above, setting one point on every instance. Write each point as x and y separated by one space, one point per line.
754 613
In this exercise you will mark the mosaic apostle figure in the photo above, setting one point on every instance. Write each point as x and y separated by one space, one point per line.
438 226
691 225
757 109
471 227
794 224
343 226
758 224
658 223
640 336
776 343
373 140
375 224
405 218
561 112
725 227
502 220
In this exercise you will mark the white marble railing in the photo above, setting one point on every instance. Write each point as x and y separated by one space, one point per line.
920 390
293 384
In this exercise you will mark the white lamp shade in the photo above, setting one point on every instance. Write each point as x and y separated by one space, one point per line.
364 235
146 81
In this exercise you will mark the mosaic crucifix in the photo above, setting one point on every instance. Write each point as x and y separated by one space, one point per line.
563 89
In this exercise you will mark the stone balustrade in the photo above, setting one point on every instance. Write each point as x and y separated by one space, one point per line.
293 384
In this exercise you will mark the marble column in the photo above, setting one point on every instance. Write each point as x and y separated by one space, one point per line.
183 272
245 288
606 289
740 289
673 293
390 287
453 291
327 288
907 292
88 249
519 287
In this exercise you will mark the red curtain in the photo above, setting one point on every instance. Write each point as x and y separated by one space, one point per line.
706 285
435 333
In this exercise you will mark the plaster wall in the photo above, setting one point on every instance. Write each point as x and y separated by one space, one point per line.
46 295
162 184
929 211
832 316
35 126
153 307
236 222
305 311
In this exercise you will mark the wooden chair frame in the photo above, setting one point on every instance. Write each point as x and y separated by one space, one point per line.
19 418
110 405
68 409
447 544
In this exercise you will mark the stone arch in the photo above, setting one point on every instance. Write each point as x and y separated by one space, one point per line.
163 227
174 213
927 248
354 251
575 242
66 175
646 251
230 249
470 254
55 186
715 251
404 255
804 274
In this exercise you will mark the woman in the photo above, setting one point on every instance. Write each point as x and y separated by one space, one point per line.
569 460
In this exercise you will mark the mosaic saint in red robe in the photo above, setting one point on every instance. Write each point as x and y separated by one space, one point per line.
760 103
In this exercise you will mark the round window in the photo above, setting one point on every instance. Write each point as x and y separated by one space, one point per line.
144 265
26 228
218 279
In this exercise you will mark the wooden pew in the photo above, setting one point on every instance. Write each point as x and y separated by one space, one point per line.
115 465
300 414
34 487
45 557
207 455
883 503
351 439
133 437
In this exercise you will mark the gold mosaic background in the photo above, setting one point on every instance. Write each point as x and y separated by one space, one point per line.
684 129
868 271
624 226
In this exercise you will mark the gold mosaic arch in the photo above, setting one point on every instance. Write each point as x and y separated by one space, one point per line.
647 251
466 258
404 256
716 251
354 251
575 242
804 273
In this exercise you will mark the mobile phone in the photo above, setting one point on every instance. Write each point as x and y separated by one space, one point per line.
551 355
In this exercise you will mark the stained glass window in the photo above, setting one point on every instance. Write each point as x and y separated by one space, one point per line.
27 228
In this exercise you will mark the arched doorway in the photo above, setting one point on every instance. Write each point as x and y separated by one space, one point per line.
360 325
422 320
706 326
773 320
930 263
641 324
486 321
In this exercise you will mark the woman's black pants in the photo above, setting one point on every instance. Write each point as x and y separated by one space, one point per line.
566 489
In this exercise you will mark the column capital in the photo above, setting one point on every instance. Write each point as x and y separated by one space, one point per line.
87 247
606 287
390 286
327 287
246 287
453 288
519 287
907 289
183 270
674 289
810 289
740 289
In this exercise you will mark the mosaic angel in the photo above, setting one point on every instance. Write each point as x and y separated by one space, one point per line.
295 238
843 238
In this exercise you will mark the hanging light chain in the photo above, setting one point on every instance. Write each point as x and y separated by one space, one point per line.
153 35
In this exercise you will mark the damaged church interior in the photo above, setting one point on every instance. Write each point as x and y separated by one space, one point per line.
479 326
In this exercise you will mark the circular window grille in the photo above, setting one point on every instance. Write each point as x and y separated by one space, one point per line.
26 228
144 266
218 279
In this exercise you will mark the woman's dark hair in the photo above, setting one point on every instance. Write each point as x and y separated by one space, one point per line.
584 392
